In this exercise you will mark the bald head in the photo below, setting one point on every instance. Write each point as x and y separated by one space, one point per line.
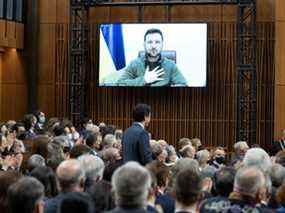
70 175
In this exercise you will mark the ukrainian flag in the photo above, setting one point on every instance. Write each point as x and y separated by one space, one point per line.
113 36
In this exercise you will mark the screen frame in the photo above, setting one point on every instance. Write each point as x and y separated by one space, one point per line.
142 23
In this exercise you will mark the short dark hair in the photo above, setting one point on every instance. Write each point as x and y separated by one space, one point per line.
152 31
91 138
76 202
107 129
140 112
188 186
86 120
58 130
28 119
224 181
37 113
24 195
16 126
109 171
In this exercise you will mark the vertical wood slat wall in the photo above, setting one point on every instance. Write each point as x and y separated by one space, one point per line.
208 113
280 66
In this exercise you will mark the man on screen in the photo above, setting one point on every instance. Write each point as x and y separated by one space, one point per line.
153 69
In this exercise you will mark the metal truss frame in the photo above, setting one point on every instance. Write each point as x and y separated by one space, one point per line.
246 71
78 59
245 68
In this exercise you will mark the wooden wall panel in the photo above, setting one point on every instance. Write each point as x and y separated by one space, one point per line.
229 13
13 85
62 11
279 109
3 33
47 53
154 14
45 97
280 55
123 14
266 10
280 66
14 101
13 64
1 74
20 35
48 11
53 56
99 14
11 34
279 12
265 82
46 68
208 113
61 71
210 13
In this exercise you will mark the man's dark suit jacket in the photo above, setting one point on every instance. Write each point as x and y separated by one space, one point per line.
51 205
277 146
135 144
166 201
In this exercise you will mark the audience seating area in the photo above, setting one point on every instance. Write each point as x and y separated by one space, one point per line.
48 165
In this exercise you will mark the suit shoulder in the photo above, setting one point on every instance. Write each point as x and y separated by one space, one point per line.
134 128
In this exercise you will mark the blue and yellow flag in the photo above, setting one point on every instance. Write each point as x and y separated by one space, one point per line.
113 36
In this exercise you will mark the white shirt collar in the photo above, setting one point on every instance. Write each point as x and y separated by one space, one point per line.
139 123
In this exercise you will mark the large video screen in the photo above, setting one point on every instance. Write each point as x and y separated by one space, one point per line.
137 55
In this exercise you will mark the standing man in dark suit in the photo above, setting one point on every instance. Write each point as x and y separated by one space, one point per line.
135 139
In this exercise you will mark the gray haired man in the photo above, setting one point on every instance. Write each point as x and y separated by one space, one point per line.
131 184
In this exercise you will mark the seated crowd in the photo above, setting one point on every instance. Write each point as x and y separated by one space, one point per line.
50 166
